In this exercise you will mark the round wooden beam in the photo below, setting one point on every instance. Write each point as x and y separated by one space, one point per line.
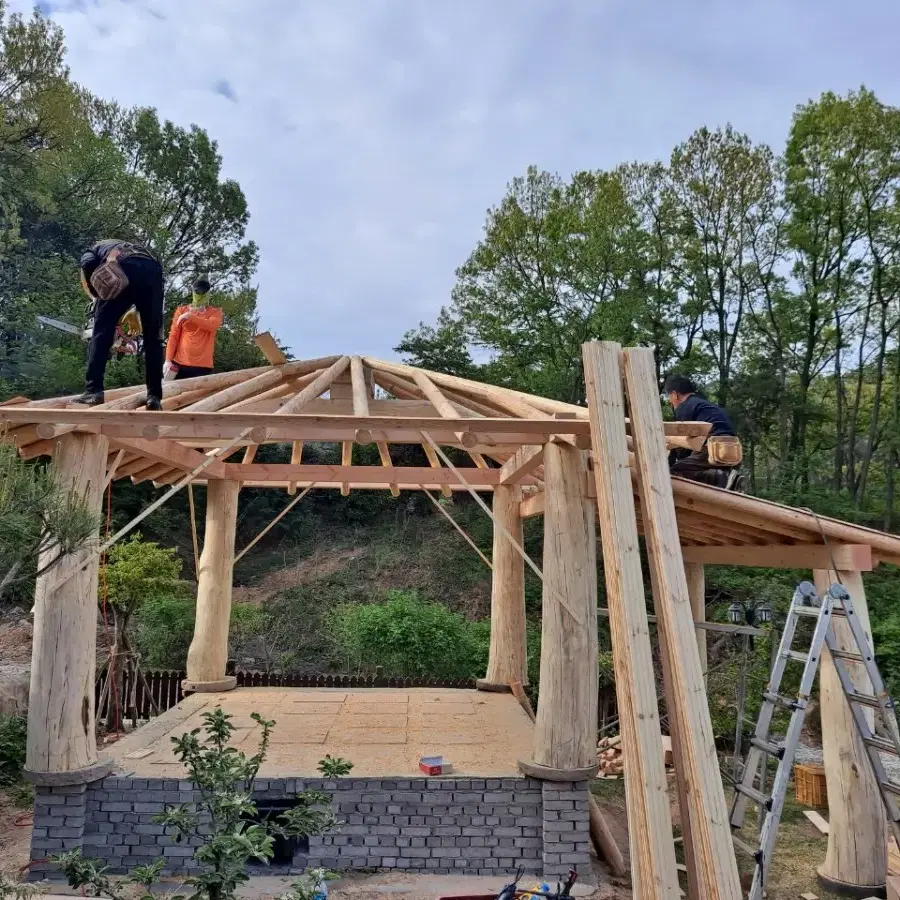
565 733
208 653
856 861
507 658
62 744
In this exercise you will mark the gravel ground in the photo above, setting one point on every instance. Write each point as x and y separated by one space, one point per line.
813 755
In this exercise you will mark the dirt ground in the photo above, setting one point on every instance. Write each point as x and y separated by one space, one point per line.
15 833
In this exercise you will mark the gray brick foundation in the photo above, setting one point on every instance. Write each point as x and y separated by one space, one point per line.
484 826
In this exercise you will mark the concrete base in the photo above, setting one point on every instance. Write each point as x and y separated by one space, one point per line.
228 683
482 684
545 773
98 770
845 889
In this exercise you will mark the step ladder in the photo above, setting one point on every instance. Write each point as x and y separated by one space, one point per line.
835 602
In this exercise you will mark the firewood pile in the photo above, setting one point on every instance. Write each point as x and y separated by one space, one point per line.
609 755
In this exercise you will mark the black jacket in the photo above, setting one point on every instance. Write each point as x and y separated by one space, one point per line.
97 254
696 409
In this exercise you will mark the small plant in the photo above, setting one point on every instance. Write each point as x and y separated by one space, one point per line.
12 748
309 886
334 766
16 890
224 777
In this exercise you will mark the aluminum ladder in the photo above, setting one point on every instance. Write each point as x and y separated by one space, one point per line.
835 602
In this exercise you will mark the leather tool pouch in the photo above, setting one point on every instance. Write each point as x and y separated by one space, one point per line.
109 279
724 450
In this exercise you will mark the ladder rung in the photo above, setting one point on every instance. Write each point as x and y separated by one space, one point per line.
754 795
880 743
776 750
864 700
891 788
794 655
812 611
784 702
846 654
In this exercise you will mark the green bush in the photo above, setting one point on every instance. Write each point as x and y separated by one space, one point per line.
406 636
12 748
480 633
165 626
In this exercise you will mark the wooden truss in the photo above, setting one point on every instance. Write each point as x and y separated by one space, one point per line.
593 472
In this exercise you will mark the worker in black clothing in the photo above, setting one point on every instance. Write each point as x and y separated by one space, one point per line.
118 275
717 462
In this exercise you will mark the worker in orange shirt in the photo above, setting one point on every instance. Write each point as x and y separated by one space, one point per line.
192 337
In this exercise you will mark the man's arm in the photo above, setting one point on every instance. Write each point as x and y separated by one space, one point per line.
204 322
174 335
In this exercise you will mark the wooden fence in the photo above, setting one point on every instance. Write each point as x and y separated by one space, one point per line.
162 689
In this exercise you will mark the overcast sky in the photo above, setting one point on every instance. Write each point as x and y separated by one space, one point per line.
370 136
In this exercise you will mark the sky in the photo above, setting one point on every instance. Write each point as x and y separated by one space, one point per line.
371 136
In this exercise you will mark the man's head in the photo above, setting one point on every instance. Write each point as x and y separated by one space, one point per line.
678 388
200 289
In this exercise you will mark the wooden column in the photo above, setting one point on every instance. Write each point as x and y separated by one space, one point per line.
565 733
696 585
62 745
208 653
856 856
507 657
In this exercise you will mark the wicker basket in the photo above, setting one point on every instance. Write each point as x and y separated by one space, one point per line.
809 784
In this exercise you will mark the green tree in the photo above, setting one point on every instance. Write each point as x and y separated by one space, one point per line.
137 572
40 522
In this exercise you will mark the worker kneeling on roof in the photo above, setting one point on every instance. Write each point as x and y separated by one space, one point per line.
718 461
192 338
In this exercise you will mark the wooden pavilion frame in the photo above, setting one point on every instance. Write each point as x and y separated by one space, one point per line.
576 466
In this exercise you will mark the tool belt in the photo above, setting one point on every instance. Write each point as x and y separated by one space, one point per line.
108 280
724 450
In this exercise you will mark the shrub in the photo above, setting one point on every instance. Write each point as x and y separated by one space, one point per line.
406 636
234 832
12 748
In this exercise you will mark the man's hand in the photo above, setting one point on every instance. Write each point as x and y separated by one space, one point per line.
168 367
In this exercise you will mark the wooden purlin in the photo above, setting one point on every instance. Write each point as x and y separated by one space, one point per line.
713 850
649 822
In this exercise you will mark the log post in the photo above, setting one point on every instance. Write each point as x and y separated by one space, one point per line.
565 733
696 584
507 659
857 853
208 653
62 743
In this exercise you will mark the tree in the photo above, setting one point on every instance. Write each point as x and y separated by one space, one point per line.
136 572
40 523
553 270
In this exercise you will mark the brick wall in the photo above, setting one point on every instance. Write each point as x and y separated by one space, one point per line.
440 825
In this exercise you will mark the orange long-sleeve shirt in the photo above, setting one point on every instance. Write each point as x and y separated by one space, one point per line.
192 341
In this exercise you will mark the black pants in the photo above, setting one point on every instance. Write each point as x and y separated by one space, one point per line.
191 372
145 293
697 467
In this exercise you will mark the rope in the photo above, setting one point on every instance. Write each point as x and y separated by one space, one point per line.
277 519
194 531
818 522
457 526
104 594
500 527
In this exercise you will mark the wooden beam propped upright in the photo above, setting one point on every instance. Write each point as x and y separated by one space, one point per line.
714 862
649 822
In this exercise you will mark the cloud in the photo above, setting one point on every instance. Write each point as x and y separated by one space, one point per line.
224 88
370 138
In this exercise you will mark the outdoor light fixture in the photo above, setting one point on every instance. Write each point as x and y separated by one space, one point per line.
763 613
736 613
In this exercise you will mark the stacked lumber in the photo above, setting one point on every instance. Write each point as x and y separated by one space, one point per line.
612 760
617 458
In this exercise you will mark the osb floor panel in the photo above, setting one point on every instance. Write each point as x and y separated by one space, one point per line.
382 732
